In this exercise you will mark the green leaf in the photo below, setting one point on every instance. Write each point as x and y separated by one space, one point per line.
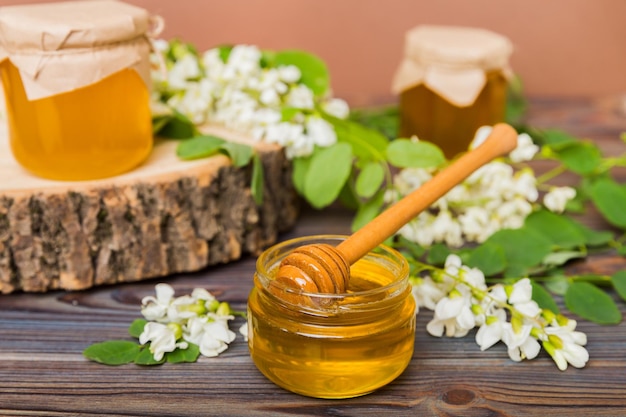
592 237
367 144
619 283
543 298
329 170
314 71
557 284
112 352
136 327
299 173
178 49
224 52
199 147
267 58
382 119
489 258
348 198
239 154
288 113
437 254
409 248
159 122
562 257
581 157
555 228
368 211
370 179
523 248
591 303
257 182
145 357
516 103
190 354
557 139
176 126
405 153
610 199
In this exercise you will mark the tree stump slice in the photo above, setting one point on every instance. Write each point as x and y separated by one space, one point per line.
164 217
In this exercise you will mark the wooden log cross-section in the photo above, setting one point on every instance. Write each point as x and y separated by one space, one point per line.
164 217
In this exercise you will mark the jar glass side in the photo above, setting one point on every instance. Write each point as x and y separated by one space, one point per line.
93 132
432 118
338 345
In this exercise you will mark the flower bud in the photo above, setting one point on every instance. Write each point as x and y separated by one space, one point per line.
477 309
223 309
548 315
212 306
562 320
176 328
555 341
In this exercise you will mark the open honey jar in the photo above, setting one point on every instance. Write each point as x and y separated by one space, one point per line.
333 345
451 81
76 79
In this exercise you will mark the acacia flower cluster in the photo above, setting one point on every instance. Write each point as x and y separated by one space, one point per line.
462 301
175 322
240 93
496 196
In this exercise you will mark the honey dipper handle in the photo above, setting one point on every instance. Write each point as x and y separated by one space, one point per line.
501 141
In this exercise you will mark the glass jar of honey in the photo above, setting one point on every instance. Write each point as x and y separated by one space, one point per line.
333 345
451 81
76 80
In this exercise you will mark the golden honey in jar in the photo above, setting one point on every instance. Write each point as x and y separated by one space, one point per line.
451 81
333 345
76 83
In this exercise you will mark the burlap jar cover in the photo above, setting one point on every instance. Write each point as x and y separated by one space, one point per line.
451 61
59 47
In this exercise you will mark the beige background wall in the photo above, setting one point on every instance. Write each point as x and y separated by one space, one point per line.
562 47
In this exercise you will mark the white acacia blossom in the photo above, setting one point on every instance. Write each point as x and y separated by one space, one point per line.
557 197
502 313
494 197
175 322
240 93
211 334
162 339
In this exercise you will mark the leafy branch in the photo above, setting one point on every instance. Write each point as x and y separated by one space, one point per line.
121 352
547 241
358 170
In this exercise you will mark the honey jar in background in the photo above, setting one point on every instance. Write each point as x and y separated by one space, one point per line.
451 81
333 345
76 79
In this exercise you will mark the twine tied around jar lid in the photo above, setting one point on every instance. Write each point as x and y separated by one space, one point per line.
60 47
451 61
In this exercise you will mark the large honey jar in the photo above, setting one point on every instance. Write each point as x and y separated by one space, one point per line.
333 345
451 81
76 79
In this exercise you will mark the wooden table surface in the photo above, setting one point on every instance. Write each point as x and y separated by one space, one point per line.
42 336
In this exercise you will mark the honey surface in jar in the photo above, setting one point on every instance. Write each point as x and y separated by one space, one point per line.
352 349
96 131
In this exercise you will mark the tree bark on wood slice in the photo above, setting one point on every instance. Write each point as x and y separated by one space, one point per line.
164 217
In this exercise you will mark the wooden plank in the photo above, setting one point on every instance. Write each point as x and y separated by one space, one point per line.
43 373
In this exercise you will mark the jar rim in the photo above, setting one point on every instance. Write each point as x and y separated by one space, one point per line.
271 257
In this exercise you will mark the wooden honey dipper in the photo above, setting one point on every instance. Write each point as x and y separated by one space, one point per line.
322 268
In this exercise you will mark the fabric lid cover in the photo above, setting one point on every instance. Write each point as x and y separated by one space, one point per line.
451 61
59 47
